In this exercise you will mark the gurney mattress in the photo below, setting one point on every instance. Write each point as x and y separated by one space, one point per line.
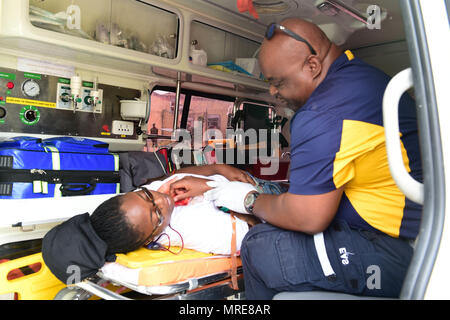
145 267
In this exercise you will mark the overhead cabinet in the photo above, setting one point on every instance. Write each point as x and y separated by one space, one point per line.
129 24
142 37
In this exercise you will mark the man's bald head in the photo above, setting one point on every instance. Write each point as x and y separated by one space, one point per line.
282 53
310 32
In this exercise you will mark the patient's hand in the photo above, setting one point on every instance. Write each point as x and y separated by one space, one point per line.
233 174
165 188
188 187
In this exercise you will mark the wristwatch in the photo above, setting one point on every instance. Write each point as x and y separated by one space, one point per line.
249 201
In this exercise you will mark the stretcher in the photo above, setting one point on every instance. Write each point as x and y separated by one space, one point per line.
149 273
188 275
152 274
142 274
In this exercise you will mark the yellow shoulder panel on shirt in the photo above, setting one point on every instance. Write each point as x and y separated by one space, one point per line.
358 138
350 55
362 166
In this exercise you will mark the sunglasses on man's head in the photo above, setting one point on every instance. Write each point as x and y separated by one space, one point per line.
160 217
273 27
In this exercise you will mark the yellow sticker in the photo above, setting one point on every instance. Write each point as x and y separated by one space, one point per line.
27 102
105 133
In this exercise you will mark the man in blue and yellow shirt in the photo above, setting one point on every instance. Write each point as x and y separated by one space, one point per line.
343 225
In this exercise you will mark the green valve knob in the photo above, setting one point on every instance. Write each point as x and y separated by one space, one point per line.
88 100
30 115
78 100
65 97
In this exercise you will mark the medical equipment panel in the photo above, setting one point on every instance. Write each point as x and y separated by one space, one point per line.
42 104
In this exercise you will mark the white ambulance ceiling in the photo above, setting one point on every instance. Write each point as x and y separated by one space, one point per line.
337 18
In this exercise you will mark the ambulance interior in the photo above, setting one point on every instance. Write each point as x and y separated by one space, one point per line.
111 70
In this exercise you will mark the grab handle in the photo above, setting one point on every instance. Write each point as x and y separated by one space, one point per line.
77 189
402 82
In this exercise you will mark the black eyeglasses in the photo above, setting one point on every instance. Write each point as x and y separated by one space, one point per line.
270 32
160 217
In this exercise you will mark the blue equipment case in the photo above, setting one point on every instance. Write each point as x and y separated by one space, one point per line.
35 168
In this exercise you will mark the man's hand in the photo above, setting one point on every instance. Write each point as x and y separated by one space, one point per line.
230 195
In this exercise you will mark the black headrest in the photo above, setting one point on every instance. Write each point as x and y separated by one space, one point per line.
73 251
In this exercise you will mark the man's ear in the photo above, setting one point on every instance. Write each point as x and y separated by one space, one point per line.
314 66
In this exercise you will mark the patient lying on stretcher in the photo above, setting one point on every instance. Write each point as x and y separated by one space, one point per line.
127 222
156 221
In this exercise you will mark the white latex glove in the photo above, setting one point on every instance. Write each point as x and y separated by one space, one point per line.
230 194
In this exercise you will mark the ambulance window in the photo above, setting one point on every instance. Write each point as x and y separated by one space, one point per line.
211 115
206 117
162 115
259 118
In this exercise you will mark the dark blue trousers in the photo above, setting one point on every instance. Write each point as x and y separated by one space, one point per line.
362 262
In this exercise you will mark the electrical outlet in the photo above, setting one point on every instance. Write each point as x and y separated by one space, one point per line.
123 127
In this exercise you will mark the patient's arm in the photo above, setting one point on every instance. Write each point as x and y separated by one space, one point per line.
191 186
229 172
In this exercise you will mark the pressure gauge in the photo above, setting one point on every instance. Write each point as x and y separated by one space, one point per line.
31 88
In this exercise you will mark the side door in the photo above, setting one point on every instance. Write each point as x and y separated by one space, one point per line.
428 34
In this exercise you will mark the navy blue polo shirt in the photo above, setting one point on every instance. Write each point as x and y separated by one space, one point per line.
337 140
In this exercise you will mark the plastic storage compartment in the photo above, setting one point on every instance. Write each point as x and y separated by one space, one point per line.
129 24
223 47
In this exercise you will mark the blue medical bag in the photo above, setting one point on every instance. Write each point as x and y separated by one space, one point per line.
64 166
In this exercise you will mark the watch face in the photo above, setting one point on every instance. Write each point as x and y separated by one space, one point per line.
249 201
